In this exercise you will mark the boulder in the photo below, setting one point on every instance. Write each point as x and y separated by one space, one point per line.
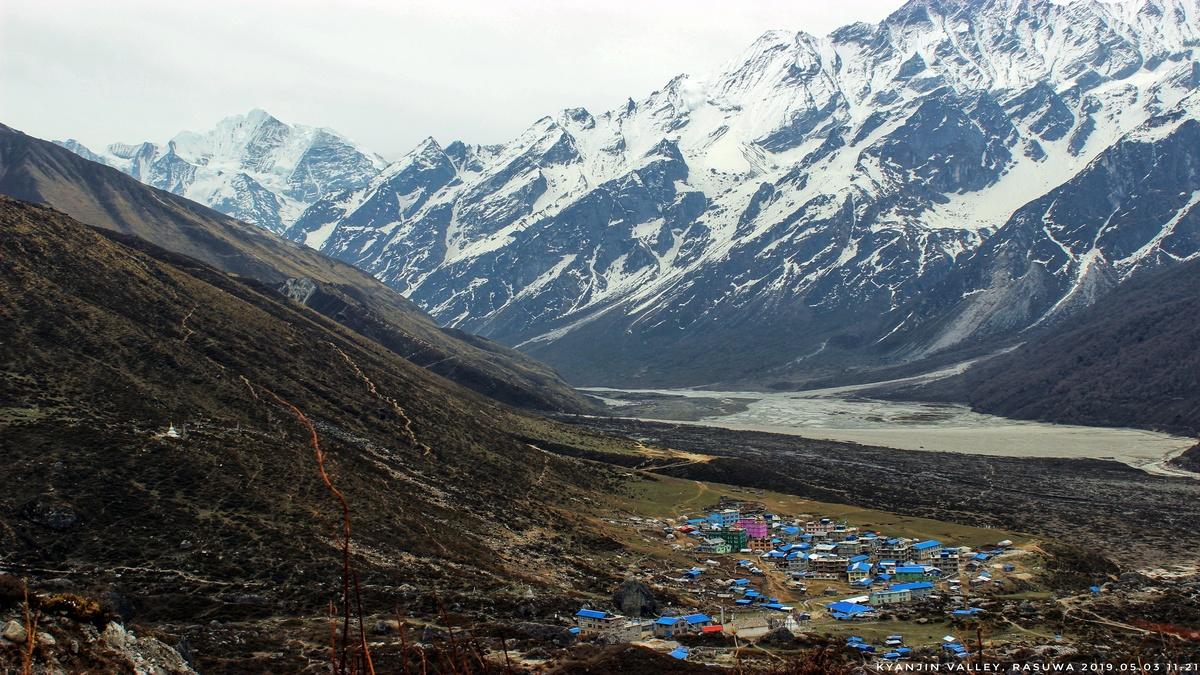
55 516
115 636
634 598
779 636
559 635
386 627
14 632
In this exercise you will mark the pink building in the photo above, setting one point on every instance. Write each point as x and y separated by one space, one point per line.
755 529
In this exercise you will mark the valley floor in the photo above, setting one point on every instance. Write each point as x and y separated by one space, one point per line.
1141 521
843 414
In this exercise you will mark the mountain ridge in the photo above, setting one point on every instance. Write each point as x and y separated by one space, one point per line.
42 172
253 167
812 202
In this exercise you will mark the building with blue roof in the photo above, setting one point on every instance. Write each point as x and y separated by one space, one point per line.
925 551
899 594
594 619
680 653
918 590
909 573
725 518
665 626
846 611
859 571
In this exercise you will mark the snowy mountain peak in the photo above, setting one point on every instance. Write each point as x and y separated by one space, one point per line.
252 166
880 192
810 184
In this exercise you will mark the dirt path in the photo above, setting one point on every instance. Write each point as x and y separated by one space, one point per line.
1072 604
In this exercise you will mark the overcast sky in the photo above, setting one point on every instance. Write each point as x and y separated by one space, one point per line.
384 73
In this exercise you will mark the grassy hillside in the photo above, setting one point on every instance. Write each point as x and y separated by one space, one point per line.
41 172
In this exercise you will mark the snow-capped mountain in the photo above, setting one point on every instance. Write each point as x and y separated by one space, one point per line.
1132 209
252 167
816 197
962 171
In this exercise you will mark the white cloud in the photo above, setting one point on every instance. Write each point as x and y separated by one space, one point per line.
386 74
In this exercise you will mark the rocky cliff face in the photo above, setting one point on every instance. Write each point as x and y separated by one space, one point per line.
1131 210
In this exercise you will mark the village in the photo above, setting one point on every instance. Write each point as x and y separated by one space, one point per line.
759 577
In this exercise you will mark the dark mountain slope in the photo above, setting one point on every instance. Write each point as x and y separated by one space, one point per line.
106 340
39 171
1132 359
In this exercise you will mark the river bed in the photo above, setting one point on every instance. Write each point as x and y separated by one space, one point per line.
840 415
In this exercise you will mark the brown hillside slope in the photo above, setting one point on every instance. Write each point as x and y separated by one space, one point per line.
42 172
102 346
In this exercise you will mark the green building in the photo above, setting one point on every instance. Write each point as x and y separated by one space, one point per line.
910 573
737 539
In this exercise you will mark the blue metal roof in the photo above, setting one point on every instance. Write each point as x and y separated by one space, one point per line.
914 586
848 608
667 620
922 545
591 614
680 653
697 618
910 569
